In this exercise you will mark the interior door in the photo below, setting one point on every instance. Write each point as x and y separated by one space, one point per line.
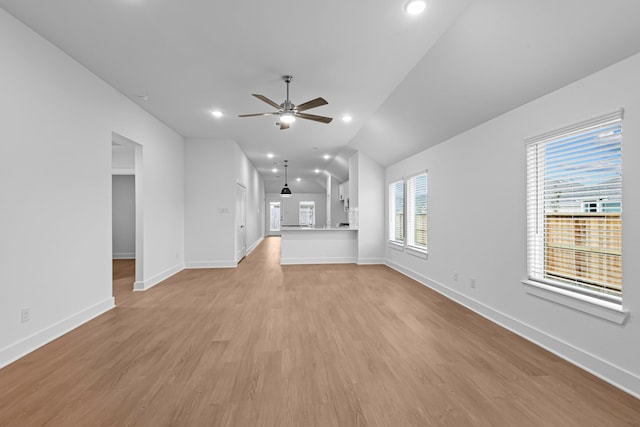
241 220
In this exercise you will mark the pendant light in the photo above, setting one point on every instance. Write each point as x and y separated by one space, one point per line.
286 191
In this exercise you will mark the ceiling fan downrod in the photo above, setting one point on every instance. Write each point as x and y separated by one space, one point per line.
288 105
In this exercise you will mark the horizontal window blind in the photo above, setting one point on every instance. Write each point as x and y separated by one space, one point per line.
396 211
574 207
417 211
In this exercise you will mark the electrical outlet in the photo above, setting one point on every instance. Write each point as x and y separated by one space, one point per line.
455 276
473 282
25 314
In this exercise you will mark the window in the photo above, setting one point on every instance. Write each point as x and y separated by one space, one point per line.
417 211
307 213
408 213
396 211
574 208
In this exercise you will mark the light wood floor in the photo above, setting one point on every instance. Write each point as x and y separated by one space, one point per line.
265 345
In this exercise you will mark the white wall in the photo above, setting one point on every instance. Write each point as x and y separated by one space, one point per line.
57 124
289 207
210 194
248 176
369 199
477 224
123 216
213 168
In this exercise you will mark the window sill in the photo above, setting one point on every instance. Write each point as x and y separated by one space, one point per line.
590 305
420 253
395 245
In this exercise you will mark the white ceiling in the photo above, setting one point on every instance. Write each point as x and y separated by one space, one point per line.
409 82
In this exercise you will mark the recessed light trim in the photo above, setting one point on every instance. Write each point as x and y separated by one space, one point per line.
274 170
326 157
415 7
347 118
317 171
298 179
216 113
270 155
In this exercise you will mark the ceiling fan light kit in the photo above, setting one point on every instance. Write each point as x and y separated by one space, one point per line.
415 7
288 111
287 117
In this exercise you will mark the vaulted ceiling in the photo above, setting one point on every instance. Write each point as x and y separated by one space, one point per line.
409 82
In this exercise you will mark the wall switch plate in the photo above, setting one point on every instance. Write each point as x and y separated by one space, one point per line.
25 314
473 282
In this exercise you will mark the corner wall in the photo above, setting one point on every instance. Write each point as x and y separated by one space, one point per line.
212 170
366 192
56 249
477 224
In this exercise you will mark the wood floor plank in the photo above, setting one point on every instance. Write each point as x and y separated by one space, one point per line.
314 345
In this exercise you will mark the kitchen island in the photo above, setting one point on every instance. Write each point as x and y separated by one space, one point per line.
318 245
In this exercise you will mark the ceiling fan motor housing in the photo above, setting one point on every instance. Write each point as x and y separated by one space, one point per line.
287 105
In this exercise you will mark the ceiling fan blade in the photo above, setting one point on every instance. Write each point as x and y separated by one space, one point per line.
284 126
312 104
314 117
267 100
258 114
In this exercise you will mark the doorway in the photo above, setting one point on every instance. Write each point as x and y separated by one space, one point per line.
126 226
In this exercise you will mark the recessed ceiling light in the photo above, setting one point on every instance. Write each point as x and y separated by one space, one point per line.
326 157
274 170
298 179
270 155
415 7
216 113
346 118
317 171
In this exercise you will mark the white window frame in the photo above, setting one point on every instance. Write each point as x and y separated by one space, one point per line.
540 278
392 224
313 212
407 244
410 214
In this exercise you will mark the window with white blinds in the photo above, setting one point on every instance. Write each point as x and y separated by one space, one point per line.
417 211
408 213
574 207
396 212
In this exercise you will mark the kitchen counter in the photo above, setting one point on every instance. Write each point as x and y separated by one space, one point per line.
317 245
303 228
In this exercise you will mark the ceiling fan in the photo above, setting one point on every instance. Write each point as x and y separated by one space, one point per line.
288 111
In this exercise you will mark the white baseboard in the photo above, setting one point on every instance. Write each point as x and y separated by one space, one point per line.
15 351
319 260
151 282
602 369
210 264
124 256
255 245
370 261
